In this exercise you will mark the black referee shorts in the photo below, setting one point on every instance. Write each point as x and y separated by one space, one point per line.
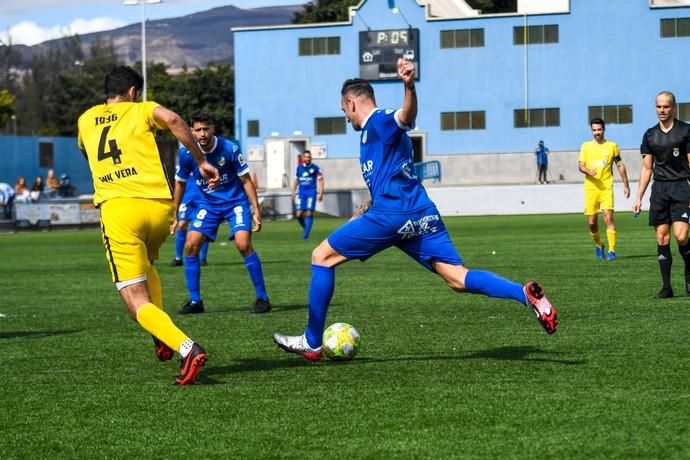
669 202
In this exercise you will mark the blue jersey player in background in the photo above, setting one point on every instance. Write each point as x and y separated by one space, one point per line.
185 213
401 215
308 187
229 201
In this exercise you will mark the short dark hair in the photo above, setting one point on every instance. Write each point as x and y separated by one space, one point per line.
201 117
597 121
120 79
357 86
670 94
306 151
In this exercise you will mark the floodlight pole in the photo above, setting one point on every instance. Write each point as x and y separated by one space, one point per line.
143 3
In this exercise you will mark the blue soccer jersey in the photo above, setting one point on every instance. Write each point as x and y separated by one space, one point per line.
307 176
385 157
228 159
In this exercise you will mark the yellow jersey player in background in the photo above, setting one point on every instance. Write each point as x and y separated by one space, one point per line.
135 200
596 163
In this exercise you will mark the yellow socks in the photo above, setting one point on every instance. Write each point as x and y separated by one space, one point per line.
611 237
153 283
158 323
597 239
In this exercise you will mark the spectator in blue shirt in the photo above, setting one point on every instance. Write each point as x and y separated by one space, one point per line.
542 154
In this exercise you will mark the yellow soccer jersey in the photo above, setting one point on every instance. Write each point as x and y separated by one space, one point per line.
600 157
119 142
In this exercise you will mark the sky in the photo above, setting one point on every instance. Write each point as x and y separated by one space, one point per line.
29 22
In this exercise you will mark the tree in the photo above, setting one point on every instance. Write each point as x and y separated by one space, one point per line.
6 106
209 90
325 11
10 62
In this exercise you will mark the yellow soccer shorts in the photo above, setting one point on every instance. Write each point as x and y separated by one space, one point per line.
133 231
597 200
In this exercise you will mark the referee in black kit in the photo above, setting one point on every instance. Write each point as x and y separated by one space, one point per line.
666 155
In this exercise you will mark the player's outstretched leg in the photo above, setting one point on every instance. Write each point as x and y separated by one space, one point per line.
320 293
492 285
542 308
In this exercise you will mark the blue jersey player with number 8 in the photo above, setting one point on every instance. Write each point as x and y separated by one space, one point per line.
234 200
401 215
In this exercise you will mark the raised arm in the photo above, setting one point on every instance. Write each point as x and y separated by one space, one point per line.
408 112
177 126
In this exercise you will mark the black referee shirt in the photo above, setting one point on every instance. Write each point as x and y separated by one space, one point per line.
670 151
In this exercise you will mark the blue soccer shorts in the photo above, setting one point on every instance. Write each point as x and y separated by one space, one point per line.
421 235
305 201
210 216
187 211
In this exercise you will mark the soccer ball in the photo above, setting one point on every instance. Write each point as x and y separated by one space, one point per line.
341 341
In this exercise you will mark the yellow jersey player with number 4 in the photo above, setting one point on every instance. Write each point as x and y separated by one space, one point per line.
135 200
597 158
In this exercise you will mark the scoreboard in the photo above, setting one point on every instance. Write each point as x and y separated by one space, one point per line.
379 51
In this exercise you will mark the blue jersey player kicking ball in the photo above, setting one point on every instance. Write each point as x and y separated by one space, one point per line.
229 201
401 214
308 178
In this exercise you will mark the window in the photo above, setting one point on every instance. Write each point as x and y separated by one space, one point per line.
319 46
252 128
453 121
536 35
332 125
537 117
612 114
45 155
684 111
675 27
463 38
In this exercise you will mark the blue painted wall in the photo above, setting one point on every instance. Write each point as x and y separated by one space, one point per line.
609 53
19 157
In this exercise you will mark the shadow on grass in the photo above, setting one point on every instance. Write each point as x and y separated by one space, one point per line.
276 308
228 263
524 353
34 334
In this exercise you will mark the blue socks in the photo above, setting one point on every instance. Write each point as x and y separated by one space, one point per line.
180 238
308 222
320 294
300 219
192 273
203 252
492 285
253 265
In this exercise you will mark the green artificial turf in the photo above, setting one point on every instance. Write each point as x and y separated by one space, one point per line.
439 374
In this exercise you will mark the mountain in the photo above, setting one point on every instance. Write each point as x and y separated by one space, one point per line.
193 40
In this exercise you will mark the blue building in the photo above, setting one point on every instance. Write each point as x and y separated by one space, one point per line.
489 86
32 156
